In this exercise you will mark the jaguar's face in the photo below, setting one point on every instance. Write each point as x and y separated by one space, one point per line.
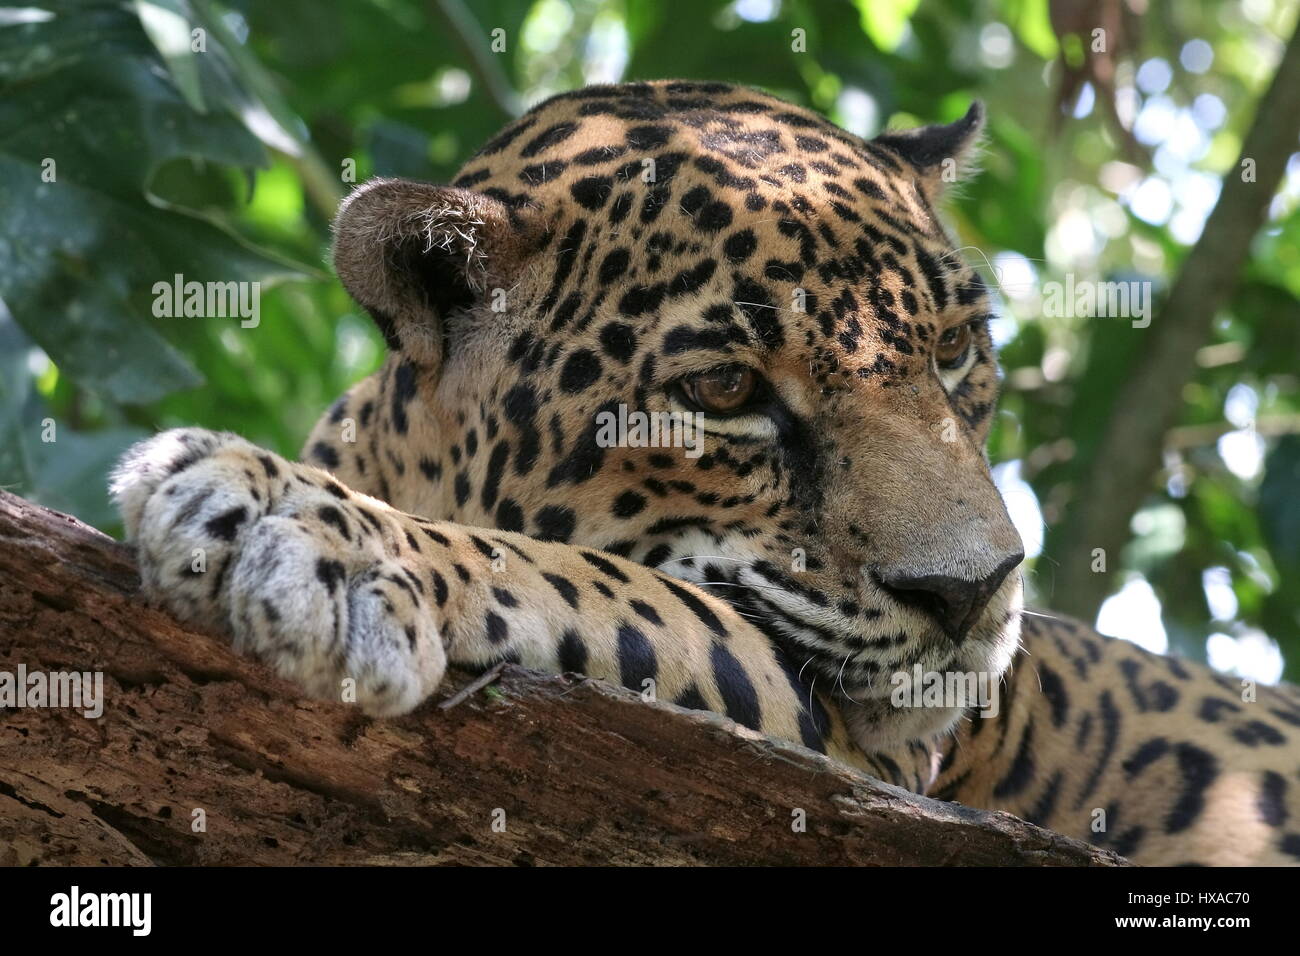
763 369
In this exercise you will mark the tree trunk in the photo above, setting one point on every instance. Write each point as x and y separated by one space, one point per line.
1123 468
201 757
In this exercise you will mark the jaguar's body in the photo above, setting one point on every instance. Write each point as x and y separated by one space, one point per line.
674 247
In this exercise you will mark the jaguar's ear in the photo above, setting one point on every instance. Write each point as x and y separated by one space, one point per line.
412 253
942 154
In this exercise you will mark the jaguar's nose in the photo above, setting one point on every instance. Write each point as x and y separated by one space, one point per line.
955 602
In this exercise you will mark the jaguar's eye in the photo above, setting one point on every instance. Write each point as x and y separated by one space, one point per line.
953 345
720 391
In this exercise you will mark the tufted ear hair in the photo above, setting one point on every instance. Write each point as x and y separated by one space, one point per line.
942 154
412 253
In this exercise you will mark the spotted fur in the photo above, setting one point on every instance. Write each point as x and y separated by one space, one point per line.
459 507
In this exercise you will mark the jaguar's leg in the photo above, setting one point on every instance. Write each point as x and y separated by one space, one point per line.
328 585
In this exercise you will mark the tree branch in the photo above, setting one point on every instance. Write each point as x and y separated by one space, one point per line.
460 23
1129 454
578 771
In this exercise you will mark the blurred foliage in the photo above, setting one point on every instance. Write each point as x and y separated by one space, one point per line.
225 163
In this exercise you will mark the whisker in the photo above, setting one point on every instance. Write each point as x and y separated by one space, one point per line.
805 664
699 557
840 679
1049 617
730 584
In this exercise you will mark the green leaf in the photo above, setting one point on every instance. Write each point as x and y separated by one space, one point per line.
886 23
82 242
246 88
71 473
171 32
41 457
15 390
1029 18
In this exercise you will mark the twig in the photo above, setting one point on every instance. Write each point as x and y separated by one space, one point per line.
474 686
479 56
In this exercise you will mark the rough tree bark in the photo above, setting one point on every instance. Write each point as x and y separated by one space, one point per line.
1129 454
585 773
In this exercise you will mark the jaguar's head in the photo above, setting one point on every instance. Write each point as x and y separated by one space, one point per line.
704 329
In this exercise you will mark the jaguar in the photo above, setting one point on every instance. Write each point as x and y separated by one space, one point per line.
709 254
